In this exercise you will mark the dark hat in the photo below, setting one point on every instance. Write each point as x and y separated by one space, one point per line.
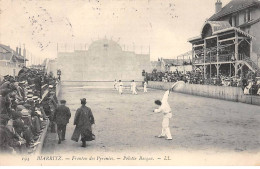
11 80
63 101
83 101
27 106
4 92
158 102
16 114
18 124
20 107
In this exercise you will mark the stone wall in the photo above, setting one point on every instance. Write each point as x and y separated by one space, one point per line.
218 92
103 61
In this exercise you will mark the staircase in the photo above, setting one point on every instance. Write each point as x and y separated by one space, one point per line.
252 65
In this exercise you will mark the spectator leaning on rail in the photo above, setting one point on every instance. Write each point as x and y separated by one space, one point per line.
22 116
248 82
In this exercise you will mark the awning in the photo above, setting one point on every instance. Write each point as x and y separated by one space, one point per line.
235 29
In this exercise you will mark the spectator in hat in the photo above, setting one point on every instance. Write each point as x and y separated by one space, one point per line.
61 118
7 137
38 84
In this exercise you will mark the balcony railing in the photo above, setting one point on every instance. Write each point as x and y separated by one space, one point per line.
221 58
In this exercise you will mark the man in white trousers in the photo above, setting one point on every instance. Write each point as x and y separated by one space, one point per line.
115 84
133 87
145 87
120 87
165 108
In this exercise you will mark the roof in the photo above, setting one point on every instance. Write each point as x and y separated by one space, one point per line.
234 6
155 63
195 38
170 61
9 54
219 27
235 29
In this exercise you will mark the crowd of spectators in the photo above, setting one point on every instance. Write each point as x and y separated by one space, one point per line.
249 83
27 102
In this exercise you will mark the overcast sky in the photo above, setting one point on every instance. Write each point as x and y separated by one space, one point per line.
165 25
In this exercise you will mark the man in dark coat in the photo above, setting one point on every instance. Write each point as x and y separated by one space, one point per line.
83 120
61 117
38 84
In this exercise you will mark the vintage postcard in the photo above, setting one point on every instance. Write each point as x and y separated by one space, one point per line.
130 82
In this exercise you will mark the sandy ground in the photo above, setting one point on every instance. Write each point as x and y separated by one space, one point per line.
199 125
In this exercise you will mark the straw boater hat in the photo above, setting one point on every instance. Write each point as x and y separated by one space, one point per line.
50 86
30 99
21 83
25 112
35 98
30 96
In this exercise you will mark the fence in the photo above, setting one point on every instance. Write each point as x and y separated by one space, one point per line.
218 92
97 84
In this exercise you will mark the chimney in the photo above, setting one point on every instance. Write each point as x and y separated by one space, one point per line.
24 52
218 6
20 50
16 50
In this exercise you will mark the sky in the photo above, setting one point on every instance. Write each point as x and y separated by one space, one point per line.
45 26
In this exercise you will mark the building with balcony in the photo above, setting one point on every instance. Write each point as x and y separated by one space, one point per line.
229 41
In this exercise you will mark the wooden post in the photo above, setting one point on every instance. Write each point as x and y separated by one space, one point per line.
236 52
236 46
251 47
217 58
204 59
183 64
210 66
192 57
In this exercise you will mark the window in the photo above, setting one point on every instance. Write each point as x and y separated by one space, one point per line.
230 20
245 17
235 20
248 15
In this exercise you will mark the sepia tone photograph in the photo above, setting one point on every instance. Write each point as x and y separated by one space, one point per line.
130 82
